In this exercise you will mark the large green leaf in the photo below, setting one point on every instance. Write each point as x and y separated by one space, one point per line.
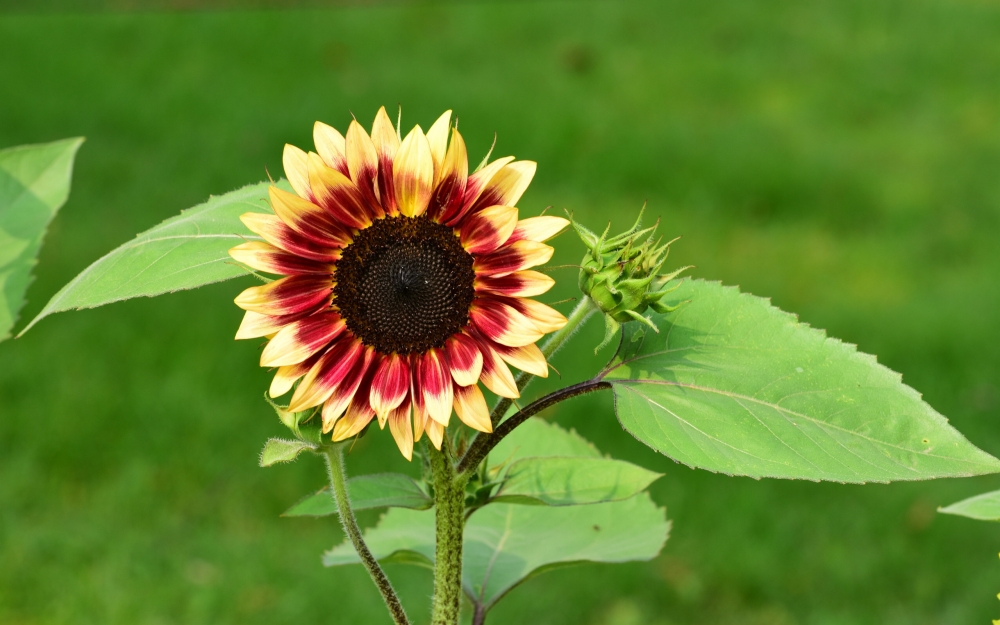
506 544
184 252
734 385
536 438
379 490
34 184
572 481
985 507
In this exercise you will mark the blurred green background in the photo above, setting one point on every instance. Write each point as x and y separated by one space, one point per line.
841 156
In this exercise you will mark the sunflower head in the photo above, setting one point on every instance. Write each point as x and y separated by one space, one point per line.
405 281
621 274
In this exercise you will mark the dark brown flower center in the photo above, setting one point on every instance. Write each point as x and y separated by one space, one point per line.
404 285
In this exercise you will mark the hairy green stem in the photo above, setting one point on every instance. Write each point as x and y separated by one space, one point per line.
583 310
334 455
449 509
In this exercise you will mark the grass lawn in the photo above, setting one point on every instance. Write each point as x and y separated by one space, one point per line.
841 157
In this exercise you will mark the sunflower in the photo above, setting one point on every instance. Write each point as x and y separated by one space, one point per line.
406 281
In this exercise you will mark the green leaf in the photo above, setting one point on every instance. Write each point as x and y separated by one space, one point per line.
734 385
34 184
380 490
184 252
536 438
985 507
572 481
282 450
506 544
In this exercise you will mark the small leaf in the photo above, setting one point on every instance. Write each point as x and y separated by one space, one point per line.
985 507
34 184
282 450
506 544
381 490
734 385
572 481
184 252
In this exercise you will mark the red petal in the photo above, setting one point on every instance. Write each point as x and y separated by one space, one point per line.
390 385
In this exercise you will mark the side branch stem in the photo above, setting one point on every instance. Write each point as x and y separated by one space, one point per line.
449 509
484 443
334 455
576 318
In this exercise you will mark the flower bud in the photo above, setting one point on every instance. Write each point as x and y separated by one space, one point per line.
621 275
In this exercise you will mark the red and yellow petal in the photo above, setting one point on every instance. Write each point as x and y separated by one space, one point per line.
525 283
474 186
464 359
295 163
507 186
513 257
449 188
320 382
488 229
471 408
386 145
287 296
331 147
285 377
402 429
273 230
541 228
413 174
496 376
527 358
390 386
362 162
437 141
503 324
543 316
358 415
262 256
358 380
340 197
434 382
301 339
256 325
308 219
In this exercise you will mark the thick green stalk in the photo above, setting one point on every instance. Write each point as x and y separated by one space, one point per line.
449 509
583 310
334 455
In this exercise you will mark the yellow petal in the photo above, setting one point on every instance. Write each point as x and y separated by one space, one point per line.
539 229
331 146
256 325
437 139
471 408
526 358
296 167
545 318
413 174
402 431
435 432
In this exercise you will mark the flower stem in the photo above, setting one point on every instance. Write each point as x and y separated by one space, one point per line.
583 310
334 455
449 508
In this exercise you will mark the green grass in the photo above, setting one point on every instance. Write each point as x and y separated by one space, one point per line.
840 156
